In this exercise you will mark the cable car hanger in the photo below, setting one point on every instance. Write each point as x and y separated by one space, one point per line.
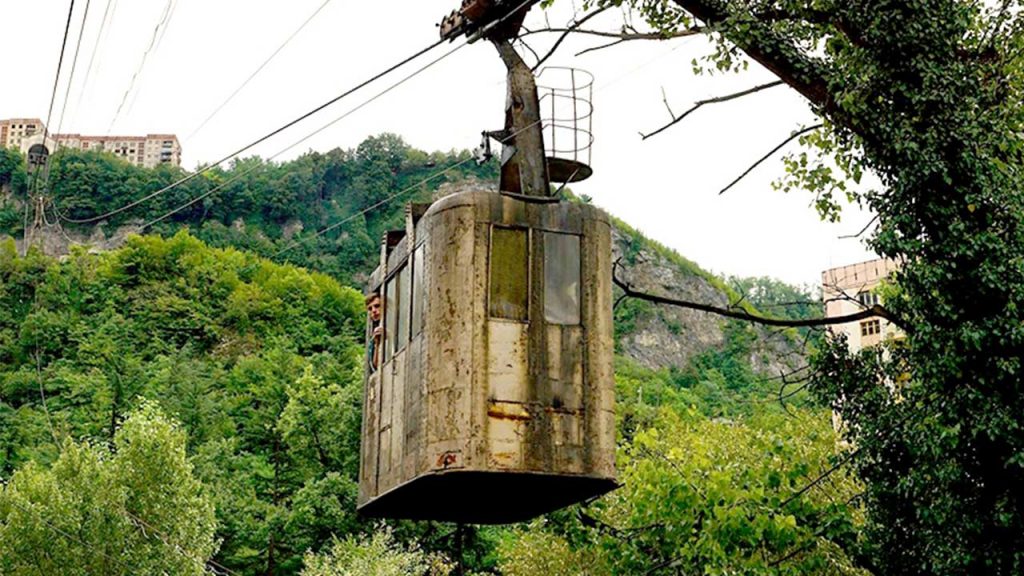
489 392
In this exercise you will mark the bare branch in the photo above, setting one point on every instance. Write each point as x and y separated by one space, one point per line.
529 48
761 160
626 34
600 47
664 98
872 312
862 231
821 477
565 33
793 372
715 100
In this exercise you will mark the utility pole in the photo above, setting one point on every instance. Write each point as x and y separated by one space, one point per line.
38 169
38 199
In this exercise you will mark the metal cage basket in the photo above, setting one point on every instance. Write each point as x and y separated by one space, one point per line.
567 109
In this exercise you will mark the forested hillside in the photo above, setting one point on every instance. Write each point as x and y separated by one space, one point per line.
259 365
252 204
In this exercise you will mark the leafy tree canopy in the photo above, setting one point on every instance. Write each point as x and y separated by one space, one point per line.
136 509
254 204
925 94
261 363
707 496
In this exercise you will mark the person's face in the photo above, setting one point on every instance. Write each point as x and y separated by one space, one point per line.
375 308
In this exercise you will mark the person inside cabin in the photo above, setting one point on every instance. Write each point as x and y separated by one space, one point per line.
374 305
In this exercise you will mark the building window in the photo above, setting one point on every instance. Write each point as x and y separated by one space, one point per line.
867 299
870 327
561 278
510 274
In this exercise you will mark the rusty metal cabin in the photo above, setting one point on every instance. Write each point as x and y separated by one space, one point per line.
493 400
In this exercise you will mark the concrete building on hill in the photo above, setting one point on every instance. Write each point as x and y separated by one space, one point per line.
147 151
850 289
14 130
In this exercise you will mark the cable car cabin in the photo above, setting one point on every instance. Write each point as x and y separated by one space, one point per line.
493 400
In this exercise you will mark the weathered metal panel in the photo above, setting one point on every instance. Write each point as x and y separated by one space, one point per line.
565 366
506 360
538 450
478 446
505 433
384 446
398 416
413 404
450 334
368 452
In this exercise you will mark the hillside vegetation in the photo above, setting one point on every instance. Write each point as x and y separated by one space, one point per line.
259 364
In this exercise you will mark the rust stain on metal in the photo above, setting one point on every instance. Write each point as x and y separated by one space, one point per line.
508 411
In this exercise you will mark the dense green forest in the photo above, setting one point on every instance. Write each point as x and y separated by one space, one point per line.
183 399
253 204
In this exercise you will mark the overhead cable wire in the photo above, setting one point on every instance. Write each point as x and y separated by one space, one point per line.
347 219
56 81
257 70
108 15
163 31
286 126
164 21
258 141
402 192
307 136
156 48
74 66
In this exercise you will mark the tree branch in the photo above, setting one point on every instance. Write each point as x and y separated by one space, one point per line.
862 231
624 34
821 477
600 47
762 159
875 311
715 100
769 49
565 33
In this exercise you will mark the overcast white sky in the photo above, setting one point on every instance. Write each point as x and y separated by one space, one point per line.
666 186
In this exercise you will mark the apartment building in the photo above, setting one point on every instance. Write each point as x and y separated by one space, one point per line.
14 130
850 289
148 151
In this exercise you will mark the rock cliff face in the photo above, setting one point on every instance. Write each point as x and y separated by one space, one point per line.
660 337
664 336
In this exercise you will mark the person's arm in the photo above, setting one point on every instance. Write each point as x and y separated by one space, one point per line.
375 360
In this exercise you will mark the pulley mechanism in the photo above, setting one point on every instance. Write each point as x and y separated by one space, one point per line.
491 19
527 166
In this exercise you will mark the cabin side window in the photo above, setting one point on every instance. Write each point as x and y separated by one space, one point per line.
419 291
402 325
509 274
561 278
391 308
